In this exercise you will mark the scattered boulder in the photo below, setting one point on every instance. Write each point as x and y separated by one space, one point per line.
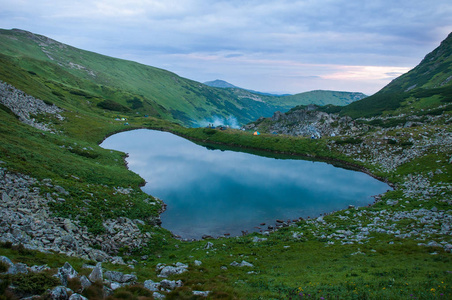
242 264
66 272
96 274
158 296
258 239
84 281
209 245
151 285
6 261
120 277
59 293
197 263
18 268
170 284
77 297
201 293
166 271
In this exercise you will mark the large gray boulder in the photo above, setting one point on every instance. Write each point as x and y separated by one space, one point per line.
84 281
96 274
59 293
66 272
18 268
151 285
120 277
170 284
166 271
77 297
6 261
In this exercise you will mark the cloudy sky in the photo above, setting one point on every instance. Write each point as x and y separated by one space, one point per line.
282 46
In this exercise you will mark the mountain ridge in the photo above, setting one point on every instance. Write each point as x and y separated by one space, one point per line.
426 85
72 76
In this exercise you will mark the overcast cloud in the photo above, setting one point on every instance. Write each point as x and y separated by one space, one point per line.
270 46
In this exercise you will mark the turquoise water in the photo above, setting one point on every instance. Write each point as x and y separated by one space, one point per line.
213 192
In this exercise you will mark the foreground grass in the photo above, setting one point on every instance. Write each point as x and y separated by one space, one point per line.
288 269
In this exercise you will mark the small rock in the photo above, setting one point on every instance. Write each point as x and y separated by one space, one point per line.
257 239
201 293
242 264
209 245
60 190
197 263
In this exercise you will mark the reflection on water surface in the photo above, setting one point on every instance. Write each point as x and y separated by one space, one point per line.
212 192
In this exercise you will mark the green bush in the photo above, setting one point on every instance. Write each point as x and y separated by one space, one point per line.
34 283
3 267
112 105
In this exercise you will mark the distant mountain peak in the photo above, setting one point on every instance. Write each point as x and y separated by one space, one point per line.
220 84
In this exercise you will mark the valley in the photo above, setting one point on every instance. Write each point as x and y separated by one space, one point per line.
66 199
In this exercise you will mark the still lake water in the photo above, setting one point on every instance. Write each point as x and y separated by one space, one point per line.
213 192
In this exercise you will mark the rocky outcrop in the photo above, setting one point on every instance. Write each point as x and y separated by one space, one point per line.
110 280
387 152
166 271
25 218
308 122
27 107
431 227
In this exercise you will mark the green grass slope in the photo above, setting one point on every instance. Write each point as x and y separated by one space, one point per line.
115 84
321 97
314 258
428 85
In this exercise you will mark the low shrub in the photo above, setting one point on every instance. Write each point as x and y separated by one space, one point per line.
34 283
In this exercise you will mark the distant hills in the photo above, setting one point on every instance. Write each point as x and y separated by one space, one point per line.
317 97
77 79
220 84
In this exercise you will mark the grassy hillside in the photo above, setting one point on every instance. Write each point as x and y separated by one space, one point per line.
320 97
97 82
428 85
114 84
398 248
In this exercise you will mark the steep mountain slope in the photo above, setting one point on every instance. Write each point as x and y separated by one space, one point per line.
427 85
412 99
76 77
85 79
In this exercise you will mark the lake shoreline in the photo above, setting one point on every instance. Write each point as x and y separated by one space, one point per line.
273 222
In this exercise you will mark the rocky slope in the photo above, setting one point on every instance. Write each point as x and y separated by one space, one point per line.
25 218
307 122
27 108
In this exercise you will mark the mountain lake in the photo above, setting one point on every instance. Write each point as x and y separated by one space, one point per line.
215 192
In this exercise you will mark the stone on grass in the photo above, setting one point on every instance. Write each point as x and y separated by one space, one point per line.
96 274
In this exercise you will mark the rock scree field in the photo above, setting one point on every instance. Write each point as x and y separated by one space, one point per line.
74 223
